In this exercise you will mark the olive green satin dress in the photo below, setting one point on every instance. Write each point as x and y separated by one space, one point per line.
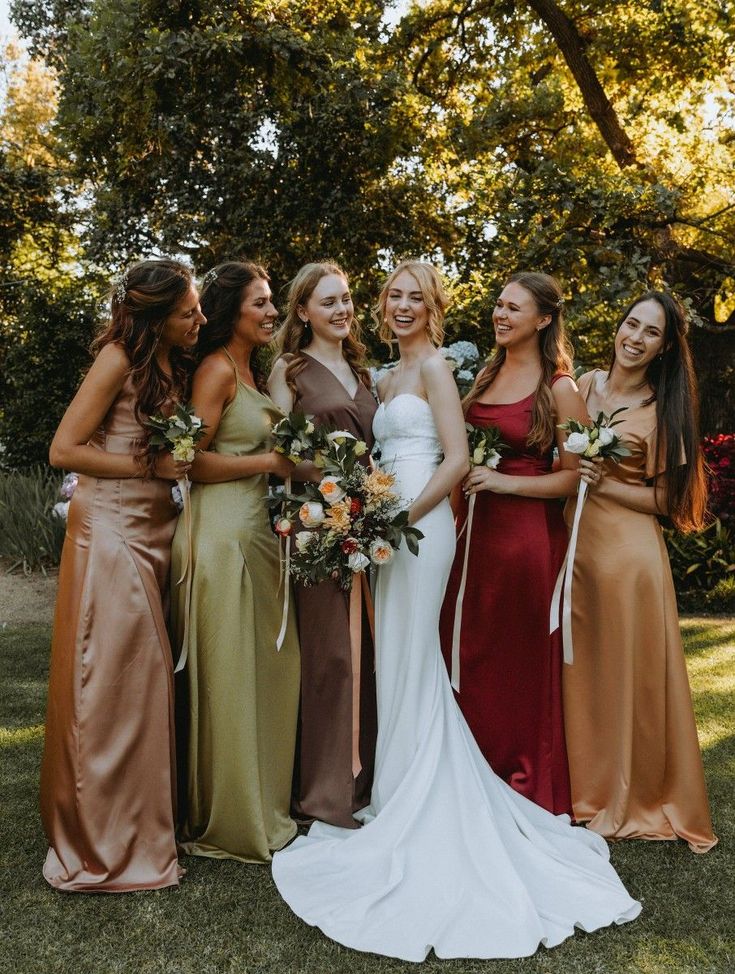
243 693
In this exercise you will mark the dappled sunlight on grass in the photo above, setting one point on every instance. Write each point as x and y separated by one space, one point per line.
20 735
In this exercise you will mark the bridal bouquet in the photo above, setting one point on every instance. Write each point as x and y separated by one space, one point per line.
352 518
485 449
179 433
588 440
296 438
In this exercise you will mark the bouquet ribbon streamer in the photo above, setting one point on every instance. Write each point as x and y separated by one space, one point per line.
359 590
457 629
564 583
285 572
186 571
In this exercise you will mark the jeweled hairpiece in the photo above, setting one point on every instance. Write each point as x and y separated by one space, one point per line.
560 304
209 277
121 287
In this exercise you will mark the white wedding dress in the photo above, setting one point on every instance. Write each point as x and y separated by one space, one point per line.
449 857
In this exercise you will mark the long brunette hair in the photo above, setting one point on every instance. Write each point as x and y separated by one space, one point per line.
222 294
144 297
673 380
556 356
294 335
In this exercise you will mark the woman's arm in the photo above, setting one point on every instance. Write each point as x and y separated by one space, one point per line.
563 481
443 398
70 447
213 390
636 497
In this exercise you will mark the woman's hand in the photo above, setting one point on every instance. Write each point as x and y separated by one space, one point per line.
485 478
166 468
279 465
591 471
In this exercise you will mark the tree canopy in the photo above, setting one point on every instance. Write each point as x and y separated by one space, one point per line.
595 141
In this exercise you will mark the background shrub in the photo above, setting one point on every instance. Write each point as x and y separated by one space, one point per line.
31 536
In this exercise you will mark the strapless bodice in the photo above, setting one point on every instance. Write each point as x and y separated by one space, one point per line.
404 429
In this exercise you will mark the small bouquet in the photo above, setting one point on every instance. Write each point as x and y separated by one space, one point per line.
296 437
352 518
485 449
179 433
592 440
597 439
66 491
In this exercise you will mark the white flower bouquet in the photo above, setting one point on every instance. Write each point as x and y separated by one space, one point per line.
178 433
597 439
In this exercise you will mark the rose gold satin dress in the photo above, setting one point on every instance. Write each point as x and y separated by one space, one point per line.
634 758
107 778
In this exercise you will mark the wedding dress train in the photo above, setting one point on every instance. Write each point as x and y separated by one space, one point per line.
449 857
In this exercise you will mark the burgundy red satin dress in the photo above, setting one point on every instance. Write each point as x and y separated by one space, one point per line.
107 778
510 667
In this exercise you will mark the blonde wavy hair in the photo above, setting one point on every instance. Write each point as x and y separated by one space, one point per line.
294 336
432 290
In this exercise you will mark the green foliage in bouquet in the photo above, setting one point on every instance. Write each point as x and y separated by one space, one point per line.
596 439
485 446
296 437
178 433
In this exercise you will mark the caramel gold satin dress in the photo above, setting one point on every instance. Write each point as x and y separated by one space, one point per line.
634 758
107 778
243 693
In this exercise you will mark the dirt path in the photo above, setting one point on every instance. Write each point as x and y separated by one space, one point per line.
26 599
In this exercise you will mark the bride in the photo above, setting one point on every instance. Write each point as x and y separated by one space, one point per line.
449 856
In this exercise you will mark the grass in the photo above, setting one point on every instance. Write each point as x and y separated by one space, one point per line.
228 919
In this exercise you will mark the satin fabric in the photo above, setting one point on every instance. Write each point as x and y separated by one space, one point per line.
450 857
243 694
635 763
324 786
107 778
510 683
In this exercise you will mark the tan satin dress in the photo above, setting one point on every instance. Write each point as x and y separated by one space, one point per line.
107 778
243 693
634 758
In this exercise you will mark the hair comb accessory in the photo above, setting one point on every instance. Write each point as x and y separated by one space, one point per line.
209 278
121 287
560 304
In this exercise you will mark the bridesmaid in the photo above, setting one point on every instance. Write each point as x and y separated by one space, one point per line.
321 371
510 667
634 758
107 778
243 693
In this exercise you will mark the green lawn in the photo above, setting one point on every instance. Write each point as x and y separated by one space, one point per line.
227 917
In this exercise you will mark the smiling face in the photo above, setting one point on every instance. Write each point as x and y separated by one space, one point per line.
516 317
258 315
181 328
640 338
329 308
406 313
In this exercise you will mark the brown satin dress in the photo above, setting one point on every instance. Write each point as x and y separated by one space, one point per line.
107 778
634 758
324 786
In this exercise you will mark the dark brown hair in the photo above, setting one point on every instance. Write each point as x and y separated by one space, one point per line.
222 294
294 336
145 296
671 376
556 357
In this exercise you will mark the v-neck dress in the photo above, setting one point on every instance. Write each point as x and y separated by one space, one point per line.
634 758
324 787
243 693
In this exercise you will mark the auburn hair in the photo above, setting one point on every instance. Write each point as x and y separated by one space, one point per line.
294 336
672 377
556 357
144 297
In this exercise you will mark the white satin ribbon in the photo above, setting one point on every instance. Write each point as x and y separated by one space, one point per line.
186 572
564 579
457 630
285 577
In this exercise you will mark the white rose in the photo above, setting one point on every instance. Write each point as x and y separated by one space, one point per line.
357 562
493 459
195 422
577 443
607 435
309 428
311 514
330 489
302 540
381 552
61 509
